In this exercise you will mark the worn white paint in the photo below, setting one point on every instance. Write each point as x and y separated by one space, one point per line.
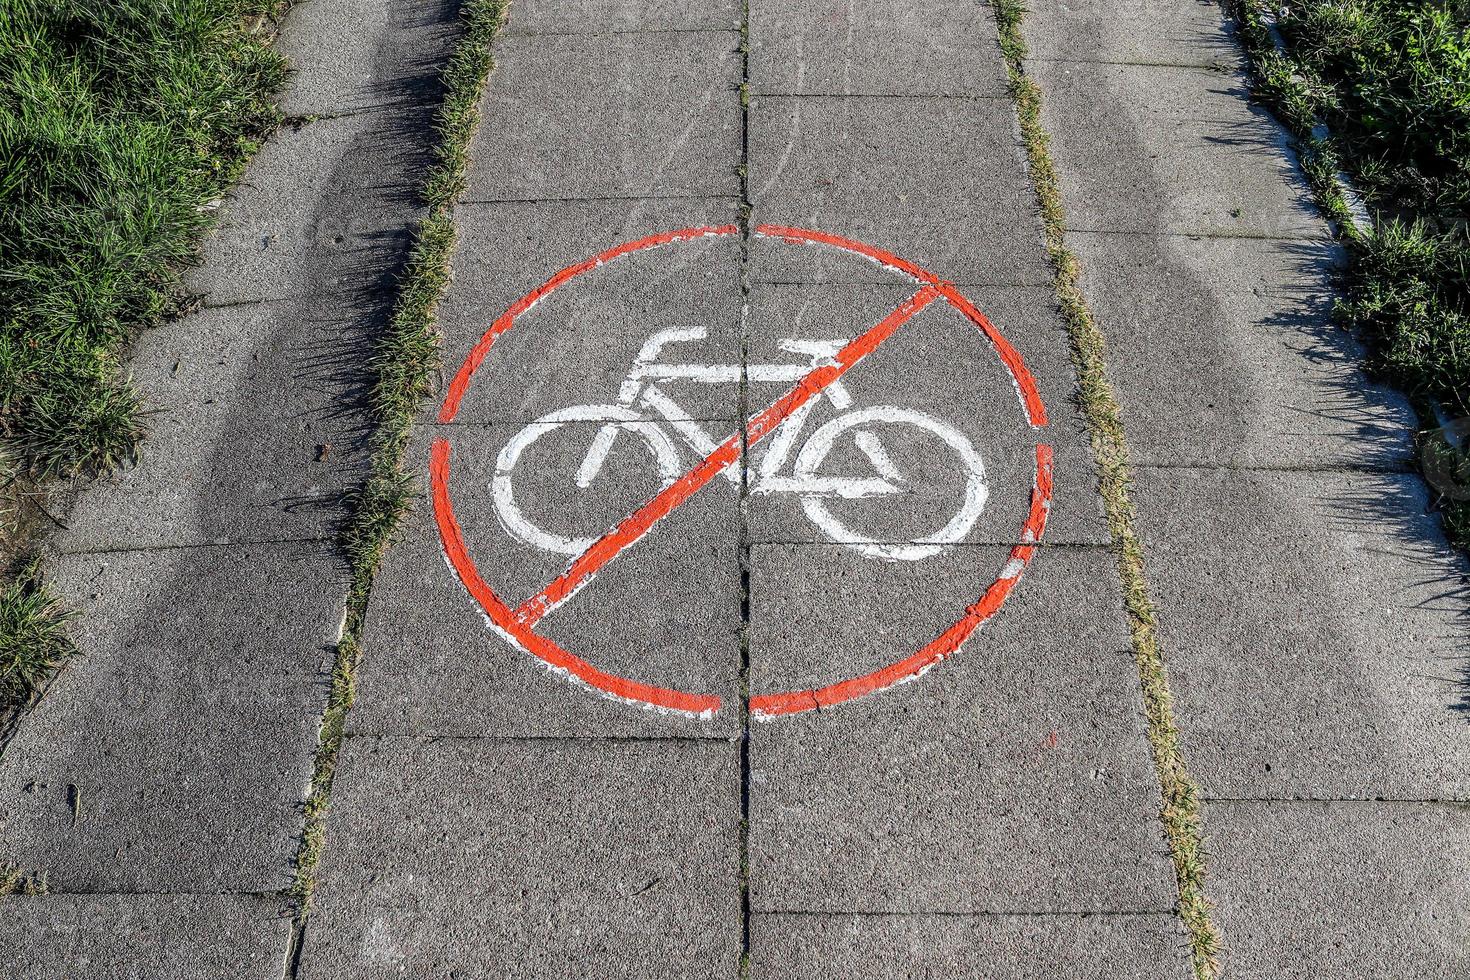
664 453
647 411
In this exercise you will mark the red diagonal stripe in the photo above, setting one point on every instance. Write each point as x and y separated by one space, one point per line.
641 521
1025 384
537 645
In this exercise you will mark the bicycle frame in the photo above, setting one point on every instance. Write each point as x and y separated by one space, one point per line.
641 388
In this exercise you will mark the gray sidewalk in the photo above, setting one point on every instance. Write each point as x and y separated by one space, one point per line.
1312 614
1001 810
829 698
159 781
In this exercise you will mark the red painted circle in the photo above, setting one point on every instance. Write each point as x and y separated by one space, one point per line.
517 625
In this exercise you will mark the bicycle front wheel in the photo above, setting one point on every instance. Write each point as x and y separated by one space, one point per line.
971 501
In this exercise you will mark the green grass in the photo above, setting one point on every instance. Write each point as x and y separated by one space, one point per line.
1181 815
33 640
1390 80
18 881
402 366
121 120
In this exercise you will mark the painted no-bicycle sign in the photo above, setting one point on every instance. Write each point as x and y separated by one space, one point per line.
807 438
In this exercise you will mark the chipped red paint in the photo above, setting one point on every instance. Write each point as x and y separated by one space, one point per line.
517 625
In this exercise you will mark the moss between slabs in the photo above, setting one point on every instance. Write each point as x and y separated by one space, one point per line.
1180 815
403 365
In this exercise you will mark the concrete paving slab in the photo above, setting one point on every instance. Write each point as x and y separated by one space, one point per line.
530 859
1152 150
242 401
1314 624
611 16
200 714
610 115
352 56
1224 352
666 612
888 47
1353 890
325 207
938 182
578 345
1013 777
1146 32
507 249
140 937
870 613
988 947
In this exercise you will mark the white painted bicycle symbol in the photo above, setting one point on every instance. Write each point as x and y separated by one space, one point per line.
646 410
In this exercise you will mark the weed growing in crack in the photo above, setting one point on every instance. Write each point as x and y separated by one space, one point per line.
33 637
1181 815
403 365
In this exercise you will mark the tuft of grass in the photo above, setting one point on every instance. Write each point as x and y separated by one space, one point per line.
329 743
33 637
1181 814
1379 91
1391 78
403 366
19 881
121 121
459 115
1397 295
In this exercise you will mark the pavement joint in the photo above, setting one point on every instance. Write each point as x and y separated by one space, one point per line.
196 545
1201 66
622 33
962 286
548 739
883 96
964 546
1346 800
743 169
594 200
204 302
301 121
981 915
897 96
1196 235
1384 469
265 896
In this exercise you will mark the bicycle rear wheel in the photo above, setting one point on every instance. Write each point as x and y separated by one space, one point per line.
509 512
